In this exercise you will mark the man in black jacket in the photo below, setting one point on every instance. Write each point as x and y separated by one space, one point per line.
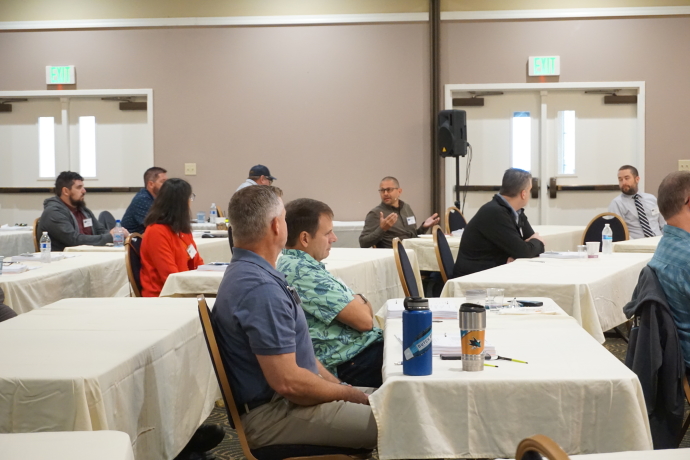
500 232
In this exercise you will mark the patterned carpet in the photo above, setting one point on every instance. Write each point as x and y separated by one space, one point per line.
230 448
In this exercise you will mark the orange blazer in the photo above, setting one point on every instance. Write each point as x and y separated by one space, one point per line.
164 252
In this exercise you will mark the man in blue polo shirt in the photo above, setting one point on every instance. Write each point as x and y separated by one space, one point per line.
671 261
133 220
283 393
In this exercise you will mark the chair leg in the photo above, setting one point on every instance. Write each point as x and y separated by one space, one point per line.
684 430
618 331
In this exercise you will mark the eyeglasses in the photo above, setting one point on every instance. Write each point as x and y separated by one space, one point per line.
191 198
388 190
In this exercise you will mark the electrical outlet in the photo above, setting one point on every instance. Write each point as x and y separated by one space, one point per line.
683 165
190 169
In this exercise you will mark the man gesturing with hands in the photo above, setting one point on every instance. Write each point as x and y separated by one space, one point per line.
392 218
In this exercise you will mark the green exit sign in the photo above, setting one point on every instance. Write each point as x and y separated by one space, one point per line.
544 65
60 75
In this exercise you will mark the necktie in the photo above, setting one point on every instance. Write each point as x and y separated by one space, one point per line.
646 229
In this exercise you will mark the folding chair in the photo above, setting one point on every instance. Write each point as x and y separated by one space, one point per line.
272 452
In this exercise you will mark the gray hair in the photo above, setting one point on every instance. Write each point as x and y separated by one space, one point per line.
392 179
673 193
514 181
251 211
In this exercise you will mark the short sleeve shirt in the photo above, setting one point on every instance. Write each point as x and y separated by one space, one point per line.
323 298
256 314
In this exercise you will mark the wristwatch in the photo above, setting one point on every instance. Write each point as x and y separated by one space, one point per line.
363 298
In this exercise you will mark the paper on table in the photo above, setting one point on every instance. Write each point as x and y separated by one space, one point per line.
561 255
14 228
36 257
14 269
457 232
442 343
219 267
445 310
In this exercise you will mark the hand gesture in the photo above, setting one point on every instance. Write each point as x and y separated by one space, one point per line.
431 221
387 222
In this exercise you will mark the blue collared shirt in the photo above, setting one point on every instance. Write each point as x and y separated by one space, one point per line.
671 262
257 314
133 220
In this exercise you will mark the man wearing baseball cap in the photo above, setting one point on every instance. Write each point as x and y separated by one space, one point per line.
258 175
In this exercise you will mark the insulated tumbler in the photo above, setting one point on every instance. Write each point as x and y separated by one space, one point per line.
472 326
416 337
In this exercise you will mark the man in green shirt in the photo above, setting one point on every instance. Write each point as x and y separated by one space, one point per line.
341 323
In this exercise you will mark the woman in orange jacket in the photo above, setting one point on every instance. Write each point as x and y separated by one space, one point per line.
167 245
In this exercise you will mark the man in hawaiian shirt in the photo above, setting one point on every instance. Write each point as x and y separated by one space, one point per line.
341 323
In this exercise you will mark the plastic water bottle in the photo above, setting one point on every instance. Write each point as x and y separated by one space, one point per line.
417 350
118 235
607 240
213 214
45 248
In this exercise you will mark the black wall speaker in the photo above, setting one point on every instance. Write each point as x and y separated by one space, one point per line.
452 133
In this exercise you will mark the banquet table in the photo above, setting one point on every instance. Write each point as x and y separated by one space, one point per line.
203 226
573 390
593 291
136 365
666 454
15 242
82 275
210 249
348 233
556 238
637 245
74 445
371 272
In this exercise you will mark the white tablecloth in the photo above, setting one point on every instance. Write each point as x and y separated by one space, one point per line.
15 242
667 454
637 245
75 445
573 390
556 238
86 275
593 291
135 365
371 272
348 233
210 249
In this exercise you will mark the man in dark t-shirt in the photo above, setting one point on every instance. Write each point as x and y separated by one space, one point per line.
283 393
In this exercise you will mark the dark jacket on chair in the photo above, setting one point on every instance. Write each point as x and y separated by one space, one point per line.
654 354
492 236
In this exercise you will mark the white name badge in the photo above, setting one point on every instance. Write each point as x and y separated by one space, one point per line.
411 220
88 223
191 250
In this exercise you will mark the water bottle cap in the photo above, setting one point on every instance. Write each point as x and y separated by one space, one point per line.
117 221
213 205
416 303
45 233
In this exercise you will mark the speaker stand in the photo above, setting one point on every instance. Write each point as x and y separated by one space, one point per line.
457 182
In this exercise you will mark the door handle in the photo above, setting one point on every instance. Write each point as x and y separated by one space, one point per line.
535 188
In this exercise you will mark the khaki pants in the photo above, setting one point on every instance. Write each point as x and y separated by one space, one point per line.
338 423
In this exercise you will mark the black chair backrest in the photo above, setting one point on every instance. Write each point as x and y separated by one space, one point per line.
456 220
445 255
407 270
596 226
133 248
107 220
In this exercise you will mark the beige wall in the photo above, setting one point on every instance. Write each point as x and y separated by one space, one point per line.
330 110
656 51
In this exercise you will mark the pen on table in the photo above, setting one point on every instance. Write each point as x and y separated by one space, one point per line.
490 365
511 359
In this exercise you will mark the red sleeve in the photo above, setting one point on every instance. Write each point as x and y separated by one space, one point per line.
158 250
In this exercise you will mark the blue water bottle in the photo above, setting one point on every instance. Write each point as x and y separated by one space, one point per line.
416 337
